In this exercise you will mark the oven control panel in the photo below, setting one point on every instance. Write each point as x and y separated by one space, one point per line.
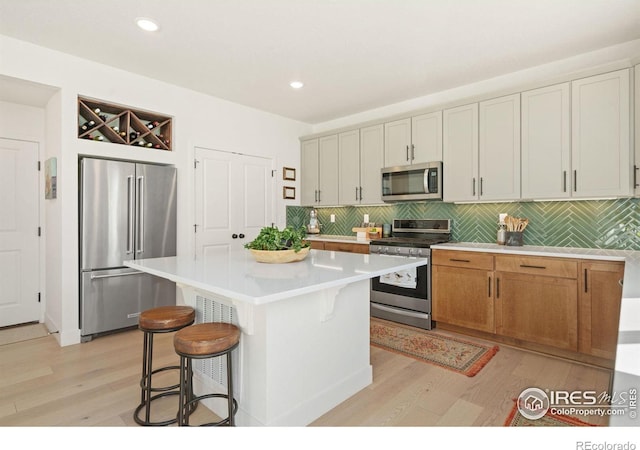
399 251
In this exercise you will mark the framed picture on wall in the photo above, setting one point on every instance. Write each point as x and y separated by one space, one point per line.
289 174
288 193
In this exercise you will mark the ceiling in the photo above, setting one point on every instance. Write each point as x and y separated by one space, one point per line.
352 55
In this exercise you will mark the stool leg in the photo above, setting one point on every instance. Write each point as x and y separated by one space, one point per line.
149 367
181 401
188 390
230 390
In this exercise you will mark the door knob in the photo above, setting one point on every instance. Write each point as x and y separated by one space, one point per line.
241 236
234 236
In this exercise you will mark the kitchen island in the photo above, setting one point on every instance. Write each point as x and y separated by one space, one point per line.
305 327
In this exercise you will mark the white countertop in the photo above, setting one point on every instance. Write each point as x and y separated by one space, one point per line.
238 276
336 238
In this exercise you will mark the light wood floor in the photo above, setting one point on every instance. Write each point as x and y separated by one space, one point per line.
96 384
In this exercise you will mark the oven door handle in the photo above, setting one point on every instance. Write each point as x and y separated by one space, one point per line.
401 312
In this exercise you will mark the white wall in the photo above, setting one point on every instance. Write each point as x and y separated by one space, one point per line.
199 120
586 64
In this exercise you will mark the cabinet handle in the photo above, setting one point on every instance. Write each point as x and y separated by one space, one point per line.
481 186
474 186
356 193
413 152
575 181
621 282
459 260
586 289
315 195
532 267
489 287
497 287
635 176
407 153
360 192
564 181
319 195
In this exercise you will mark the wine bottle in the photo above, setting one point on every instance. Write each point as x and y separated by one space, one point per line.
103 117
134 135
149 144
152 125
96 110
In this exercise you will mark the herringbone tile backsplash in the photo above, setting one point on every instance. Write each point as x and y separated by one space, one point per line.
611 224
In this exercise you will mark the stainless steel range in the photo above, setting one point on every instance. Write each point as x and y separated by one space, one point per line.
405 296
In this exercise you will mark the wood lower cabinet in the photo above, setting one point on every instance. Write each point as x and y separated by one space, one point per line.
463 297
462 289
563 306
537 309
537 300
340 246
599 307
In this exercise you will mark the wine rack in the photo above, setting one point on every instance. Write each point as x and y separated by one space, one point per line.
108 122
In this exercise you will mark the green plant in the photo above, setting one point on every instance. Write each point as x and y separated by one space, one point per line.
271 238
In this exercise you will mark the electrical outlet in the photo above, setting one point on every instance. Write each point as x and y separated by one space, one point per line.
333 218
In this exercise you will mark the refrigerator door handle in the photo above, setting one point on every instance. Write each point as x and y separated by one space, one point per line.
140 192
98 277
129 215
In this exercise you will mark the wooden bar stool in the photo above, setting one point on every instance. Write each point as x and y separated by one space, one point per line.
205 340
164 319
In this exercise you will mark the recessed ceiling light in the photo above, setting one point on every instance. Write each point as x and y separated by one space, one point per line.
147 24
296 84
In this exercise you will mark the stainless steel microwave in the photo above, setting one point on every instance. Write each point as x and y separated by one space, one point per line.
414 182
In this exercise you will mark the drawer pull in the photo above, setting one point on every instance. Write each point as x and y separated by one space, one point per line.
489 287
527 266
460 260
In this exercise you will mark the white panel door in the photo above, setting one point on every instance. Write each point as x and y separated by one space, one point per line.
397 142
349 161
600 147
499 148
371 161
460 153
233 200
19 242
426 138
546 143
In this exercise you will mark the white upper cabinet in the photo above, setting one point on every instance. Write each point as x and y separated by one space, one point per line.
361 154
600 148
309 172
546 143
349 157
413 140
426 137
500 148
636 166
397 143
319 171
328 174
460 153
371 161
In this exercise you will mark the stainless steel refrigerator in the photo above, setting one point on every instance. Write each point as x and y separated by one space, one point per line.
127 211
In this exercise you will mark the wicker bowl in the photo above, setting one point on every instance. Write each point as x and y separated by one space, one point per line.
279 256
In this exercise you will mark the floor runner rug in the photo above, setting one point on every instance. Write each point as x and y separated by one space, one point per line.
515 419
10 335
460 356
